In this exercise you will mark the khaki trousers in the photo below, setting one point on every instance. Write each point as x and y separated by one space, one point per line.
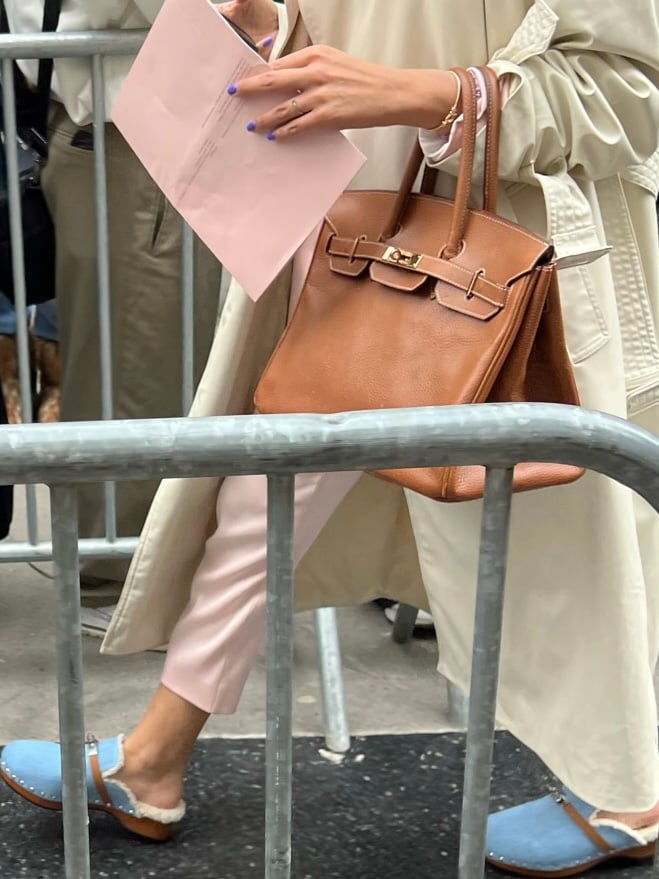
145 276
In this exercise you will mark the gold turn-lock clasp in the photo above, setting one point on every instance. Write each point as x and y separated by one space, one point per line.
403 258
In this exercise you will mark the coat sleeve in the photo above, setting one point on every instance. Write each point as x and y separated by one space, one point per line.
584 89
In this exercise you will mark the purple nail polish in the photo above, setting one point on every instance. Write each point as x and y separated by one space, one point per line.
272 136
267 42
251 126
233 88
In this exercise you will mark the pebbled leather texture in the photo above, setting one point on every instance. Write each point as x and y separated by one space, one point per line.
430 328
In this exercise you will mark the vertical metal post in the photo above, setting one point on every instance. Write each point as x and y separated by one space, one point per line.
103 263
337 734
279 666
187 318
485 671
64 516
18 269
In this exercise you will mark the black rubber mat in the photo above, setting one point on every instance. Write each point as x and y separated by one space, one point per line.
390 809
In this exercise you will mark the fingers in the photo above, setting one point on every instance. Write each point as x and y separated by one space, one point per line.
271 81
317 56
314 120
284 115
265 46
297 75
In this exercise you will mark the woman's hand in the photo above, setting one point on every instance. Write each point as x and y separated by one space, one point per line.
258 18
334 91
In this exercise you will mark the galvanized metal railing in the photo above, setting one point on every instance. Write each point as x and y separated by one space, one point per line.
498 436
95 46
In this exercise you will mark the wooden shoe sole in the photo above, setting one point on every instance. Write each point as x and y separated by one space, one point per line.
638 853
147 828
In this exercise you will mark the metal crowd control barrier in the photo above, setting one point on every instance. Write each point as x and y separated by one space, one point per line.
497 436
96 45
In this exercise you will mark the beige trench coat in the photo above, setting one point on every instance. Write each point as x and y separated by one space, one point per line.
579 163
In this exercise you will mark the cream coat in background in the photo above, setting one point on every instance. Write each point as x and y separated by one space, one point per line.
579 164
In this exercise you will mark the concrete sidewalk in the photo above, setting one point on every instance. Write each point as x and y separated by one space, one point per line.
390 688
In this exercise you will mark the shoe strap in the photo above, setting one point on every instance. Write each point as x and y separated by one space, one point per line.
584 824
97 775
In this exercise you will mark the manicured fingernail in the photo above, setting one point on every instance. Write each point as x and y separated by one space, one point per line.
272 136
267 42
251 126
233 88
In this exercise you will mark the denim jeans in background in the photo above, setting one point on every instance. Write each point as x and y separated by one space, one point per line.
42 317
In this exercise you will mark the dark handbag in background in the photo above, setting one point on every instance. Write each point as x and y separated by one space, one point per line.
416 300
32 122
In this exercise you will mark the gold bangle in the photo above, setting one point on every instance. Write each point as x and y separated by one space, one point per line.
454 112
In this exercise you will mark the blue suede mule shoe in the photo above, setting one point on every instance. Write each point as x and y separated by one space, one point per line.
560 836
33 769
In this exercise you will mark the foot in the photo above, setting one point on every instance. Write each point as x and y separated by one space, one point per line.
148 780
33 770
635 820
563 836
423 619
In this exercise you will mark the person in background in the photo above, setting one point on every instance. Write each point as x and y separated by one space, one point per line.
145 266
44 360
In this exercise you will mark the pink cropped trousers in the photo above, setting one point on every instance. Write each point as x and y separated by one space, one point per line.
218 637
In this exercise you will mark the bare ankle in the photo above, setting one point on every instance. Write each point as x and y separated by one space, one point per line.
149 779
634 820
150 760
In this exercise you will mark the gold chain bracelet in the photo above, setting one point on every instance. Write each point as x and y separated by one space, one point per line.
454 112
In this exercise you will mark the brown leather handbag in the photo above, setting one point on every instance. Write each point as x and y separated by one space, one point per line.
437 305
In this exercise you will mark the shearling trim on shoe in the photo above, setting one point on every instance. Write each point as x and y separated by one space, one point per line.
642 836
120 762
142 810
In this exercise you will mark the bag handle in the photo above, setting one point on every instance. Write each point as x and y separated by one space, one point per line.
492 139
39 129
465 171
51 15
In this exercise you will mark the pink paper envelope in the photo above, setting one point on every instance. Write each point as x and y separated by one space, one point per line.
252 201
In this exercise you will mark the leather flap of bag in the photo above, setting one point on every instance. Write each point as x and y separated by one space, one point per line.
508 251
470 304
395 278
344 265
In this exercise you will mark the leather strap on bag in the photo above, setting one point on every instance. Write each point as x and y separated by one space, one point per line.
51 15
39 117
469 282
466 170
492 138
